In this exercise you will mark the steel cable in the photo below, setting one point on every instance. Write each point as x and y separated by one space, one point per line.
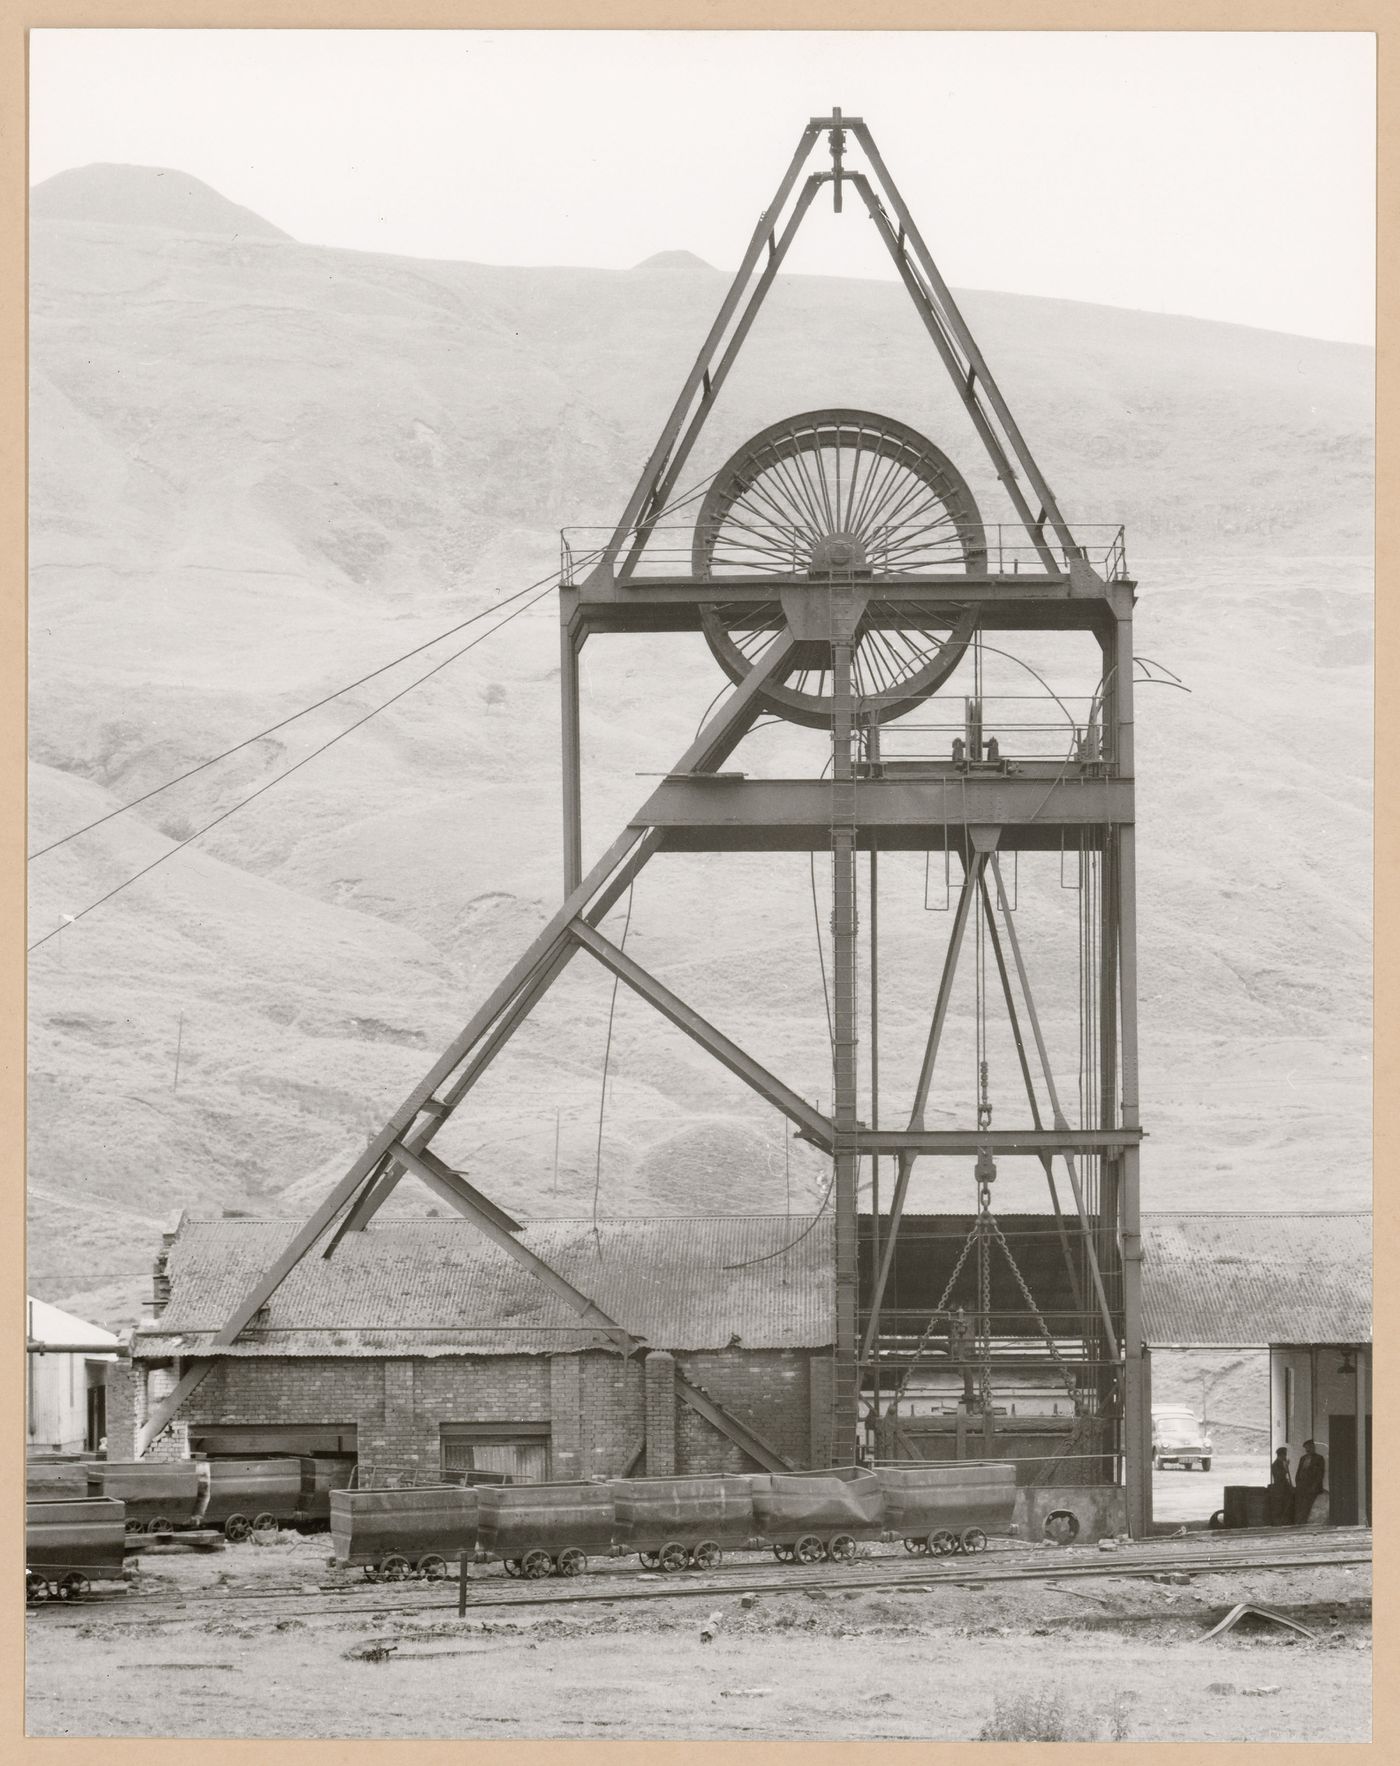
437 668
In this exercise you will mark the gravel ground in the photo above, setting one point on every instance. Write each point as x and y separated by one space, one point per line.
795 1667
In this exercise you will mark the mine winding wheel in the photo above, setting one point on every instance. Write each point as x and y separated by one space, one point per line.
851 497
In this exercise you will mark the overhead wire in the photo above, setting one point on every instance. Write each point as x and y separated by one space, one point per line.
293 717
782 1250
339 692
437 668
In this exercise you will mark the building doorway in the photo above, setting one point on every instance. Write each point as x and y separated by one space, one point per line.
518 1452
96 1432
1344 1509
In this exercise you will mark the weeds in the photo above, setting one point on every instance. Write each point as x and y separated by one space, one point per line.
1048 1714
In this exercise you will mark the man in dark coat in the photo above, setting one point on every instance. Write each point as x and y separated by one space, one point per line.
1280 1490
1307 1487
960 1352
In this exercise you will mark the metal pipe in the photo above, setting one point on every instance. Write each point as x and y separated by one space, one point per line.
875 1072
845 1399
572 767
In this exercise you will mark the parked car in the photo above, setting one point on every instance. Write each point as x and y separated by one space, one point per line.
1179 1439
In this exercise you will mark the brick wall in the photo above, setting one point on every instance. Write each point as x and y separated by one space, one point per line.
122 1379
768 1389
601 1408
660 1420
565 1418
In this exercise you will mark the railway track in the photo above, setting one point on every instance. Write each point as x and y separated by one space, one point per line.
601 1587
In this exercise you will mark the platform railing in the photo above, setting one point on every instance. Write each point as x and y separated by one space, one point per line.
887 553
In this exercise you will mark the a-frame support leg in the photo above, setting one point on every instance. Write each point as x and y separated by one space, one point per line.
711 747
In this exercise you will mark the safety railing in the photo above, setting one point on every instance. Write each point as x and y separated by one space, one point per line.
885 553
1013 728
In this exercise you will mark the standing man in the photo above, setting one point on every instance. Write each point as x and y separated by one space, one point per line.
1280 1490
1312 1474
959 1353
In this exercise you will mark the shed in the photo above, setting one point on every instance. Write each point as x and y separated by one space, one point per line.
421 1346
65 1397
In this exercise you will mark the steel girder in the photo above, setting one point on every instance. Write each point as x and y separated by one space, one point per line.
1066 593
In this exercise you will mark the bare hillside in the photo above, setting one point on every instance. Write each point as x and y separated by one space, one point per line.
260 468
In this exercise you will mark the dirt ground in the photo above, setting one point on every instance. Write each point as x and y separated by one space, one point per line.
200 1658
1179 1495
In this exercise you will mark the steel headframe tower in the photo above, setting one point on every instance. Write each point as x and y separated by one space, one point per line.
841 572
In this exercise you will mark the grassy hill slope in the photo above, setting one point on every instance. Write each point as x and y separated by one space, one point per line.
260 468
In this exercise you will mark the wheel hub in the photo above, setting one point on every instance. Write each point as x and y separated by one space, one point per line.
838 552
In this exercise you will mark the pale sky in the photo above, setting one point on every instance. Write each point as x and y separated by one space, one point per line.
1224 175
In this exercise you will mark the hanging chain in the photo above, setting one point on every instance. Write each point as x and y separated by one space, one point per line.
939 1311
995 1232
984 1296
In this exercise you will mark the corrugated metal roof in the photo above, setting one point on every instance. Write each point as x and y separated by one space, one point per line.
1242 1281
438 1287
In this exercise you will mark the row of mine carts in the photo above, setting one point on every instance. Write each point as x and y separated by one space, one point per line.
238 1497
672 1524
72 1541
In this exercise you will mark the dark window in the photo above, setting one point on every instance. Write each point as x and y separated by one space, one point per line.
518 1451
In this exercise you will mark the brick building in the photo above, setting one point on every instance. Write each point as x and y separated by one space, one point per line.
420 1346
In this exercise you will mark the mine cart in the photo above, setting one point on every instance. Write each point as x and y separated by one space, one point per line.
249 1496
948 1507
399 1533
70 1544
807 1516
319 1477
161 1495
676 1523
542 1529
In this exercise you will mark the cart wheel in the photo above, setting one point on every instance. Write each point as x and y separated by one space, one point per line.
706 1555
237 1527
135 1526
917 1548
974 1539
265 1523
674 1557
74 1586
160 1525
572 1562
511 1566
1216 1522
841 1548
395 1568
783 1553
371 1572
36 1589
942 1543
536 1564
809 1549
648 1559
433 1567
